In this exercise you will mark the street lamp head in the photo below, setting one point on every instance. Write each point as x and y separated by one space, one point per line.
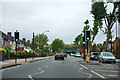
47 31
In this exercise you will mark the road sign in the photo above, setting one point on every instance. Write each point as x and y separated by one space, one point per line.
11 37
87 55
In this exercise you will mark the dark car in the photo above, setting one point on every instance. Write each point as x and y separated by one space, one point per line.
59 56
65 55
94 55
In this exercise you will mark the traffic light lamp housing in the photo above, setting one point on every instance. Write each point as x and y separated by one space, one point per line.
83 40
87 35
16 36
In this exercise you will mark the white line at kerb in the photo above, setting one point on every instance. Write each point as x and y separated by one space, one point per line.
30 77
84 66
97 74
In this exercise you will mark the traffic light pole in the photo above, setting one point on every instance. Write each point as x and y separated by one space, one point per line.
16 52
87 49
84 52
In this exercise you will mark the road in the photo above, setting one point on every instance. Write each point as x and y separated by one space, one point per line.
71 68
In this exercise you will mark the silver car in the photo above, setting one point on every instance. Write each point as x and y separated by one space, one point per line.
107 57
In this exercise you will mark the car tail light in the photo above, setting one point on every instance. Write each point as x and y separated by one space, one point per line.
55 55
62 55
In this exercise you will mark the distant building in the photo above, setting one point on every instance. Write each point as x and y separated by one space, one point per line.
116 47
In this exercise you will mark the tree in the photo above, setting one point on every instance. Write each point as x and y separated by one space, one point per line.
118 11
99 12
40 40
95 29
57 44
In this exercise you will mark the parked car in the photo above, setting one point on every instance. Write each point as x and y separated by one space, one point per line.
59 56
71 54
107 57
94 55
65 55
77 55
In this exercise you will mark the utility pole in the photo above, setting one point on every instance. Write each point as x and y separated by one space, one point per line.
33 45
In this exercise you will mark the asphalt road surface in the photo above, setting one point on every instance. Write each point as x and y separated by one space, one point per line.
70 68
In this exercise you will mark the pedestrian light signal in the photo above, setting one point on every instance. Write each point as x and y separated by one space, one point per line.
87 38
83 42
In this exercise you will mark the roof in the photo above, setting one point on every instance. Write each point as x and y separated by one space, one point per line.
4 36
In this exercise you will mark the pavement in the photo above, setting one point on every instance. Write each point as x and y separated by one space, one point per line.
70 68
11 62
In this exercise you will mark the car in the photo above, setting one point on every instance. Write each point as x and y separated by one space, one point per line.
65 55
94 55
107 57
77 55
59 56
71 54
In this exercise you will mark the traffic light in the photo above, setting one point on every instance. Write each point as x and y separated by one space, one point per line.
87 35
83 40
16 36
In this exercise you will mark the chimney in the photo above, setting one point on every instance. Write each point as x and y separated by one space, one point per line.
23 39
9 33
28 41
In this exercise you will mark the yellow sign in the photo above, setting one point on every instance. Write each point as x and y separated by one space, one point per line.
15 48
87 56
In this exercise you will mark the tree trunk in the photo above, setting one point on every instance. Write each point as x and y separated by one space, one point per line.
108 37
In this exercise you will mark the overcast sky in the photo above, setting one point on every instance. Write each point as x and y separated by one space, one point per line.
64 19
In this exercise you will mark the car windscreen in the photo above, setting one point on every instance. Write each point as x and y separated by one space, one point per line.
58 53
95 54
78 53
107 54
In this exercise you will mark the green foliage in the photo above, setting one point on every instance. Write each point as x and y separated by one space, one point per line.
56 44
118 11
98 11
40 40
78 38
86 27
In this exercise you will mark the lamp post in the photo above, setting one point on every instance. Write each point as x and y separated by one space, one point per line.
34 41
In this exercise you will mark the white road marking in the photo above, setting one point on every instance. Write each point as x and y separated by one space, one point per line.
10 68
97 74
42 71
109 67
113 75
30 77
84 66
85 73
107 70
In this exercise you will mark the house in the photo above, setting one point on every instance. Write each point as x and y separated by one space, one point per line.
24 45
4 40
